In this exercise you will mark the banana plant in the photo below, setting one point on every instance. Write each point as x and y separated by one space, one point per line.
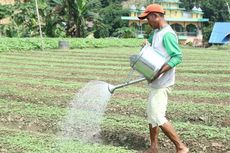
80 11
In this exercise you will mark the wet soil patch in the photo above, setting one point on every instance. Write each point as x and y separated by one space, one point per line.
140 142
26 123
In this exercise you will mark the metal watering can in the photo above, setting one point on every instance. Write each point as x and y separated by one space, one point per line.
148 62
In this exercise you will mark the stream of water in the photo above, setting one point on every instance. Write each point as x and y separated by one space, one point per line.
86 113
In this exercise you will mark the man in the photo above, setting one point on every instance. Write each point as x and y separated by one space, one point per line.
163 40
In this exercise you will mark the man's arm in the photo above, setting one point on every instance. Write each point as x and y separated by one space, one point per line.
172 47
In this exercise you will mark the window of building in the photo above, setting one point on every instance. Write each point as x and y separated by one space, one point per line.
178 28
191 30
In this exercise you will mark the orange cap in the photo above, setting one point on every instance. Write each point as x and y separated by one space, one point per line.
151 8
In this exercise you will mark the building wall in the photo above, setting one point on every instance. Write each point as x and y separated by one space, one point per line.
173 14
169 5
182 14
7 1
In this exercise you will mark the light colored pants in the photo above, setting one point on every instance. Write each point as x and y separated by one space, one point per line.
157 105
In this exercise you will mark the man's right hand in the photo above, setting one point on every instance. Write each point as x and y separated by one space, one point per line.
145 42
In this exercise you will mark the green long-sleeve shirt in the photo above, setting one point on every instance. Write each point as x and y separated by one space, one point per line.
172 47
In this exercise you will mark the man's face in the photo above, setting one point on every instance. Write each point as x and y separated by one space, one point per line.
153 20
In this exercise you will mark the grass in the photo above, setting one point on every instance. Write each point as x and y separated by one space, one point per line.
36 88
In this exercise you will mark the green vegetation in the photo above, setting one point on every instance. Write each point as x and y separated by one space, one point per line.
23 44
86 18
37 87
64 18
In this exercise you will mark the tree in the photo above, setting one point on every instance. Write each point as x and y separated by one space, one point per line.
55 18
59 18
23 21
79 11
111 19
5 11
216 11
125 32
74 18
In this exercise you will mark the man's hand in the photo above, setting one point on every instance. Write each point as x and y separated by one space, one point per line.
145 42
163 69
155 77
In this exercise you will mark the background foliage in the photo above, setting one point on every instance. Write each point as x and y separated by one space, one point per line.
64 18
87 18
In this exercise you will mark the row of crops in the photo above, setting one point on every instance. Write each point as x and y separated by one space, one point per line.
20 44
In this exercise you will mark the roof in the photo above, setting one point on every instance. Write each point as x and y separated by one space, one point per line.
170 19
220 33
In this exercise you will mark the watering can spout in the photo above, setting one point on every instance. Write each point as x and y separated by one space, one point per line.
112 88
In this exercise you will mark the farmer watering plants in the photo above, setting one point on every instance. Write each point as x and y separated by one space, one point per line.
163 40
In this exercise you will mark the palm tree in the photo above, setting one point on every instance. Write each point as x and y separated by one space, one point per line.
79 11
76 22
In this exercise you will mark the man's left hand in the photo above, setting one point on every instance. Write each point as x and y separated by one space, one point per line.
163 69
